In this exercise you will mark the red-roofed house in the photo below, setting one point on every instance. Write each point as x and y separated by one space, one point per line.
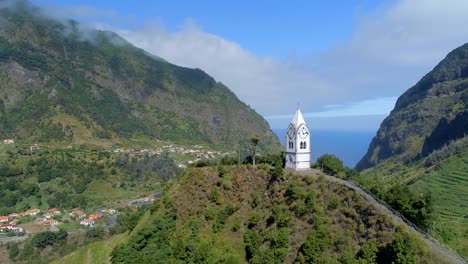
33 212
48 216
54 211
4 219
50 222
13 228
13 215
95 216
87 222
80 214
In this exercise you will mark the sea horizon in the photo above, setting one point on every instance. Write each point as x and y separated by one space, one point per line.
349 146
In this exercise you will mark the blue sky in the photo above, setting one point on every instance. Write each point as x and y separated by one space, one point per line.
268 28
346 62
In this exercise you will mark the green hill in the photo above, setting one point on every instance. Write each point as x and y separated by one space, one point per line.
61 82
240 214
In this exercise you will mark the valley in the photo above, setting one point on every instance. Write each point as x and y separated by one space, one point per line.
112 154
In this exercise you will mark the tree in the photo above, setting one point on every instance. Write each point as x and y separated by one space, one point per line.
404 249
254 139
418 208
330 164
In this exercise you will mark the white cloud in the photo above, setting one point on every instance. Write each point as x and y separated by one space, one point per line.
371 107
390 50
262 82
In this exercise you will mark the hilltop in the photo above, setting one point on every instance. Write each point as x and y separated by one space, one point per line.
60 82
240 214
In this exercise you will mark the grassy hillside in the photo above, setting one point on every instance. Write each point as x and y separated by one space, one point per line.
60 82
442 175
239 214
448 184
99 252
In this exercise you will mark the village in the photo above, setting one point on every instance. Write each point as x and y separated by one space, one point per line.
184 156
34 220
18 222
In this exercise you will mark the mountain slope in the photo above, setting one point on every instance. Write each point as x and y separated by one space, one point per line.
427 116
60 82
422 145
238 214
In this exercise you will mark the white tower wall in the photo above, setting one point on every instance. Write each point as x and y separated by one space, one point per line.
298 144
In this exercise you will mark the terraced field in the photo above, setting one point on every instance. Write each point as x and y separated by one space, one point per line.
448 185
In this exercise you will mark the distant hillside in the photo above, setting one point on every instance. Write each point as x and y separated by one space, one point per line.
59 82
427 116
423 145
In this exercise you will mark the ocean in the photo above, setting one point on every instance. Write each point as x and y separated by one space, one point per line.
349 146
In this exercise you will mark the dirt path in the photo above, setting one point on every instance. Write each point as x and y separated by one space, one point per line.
397 217
89 258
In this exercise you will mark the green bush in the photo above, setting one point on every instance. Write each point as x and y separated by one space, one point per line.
48 238
404 249
330 164
417 208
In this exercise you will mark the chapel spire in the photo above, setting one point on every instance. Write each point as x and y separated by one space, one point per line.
298 119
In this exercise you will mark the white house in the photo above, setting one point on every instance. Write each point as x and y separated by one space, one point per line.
8 141
13 228
50 222
87 222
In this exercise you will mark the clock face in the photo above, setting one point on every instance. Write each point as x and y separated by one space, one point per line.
291 132
303 133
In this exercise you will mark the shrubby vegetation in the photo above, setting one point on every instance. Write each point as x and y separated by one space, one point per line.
264 219
63 179
332 165
452 148
418 208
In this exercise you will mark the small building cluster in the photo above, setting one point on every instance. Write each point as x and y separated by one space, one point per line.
8 223
10 228
197 152
51 218
151 198
90 220
30 212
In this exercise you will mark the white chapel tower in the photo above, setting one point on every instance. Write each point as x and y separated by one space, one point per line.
298 144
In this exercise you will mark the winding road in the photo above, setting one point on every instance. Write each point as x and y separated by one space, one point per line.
441 249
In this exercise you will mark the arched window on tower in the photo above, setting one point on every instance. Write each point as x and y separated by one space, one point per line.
302 144
292 144
305 144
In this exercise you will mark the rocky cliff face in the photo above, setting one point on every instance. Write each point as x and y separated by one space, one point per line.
426 116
